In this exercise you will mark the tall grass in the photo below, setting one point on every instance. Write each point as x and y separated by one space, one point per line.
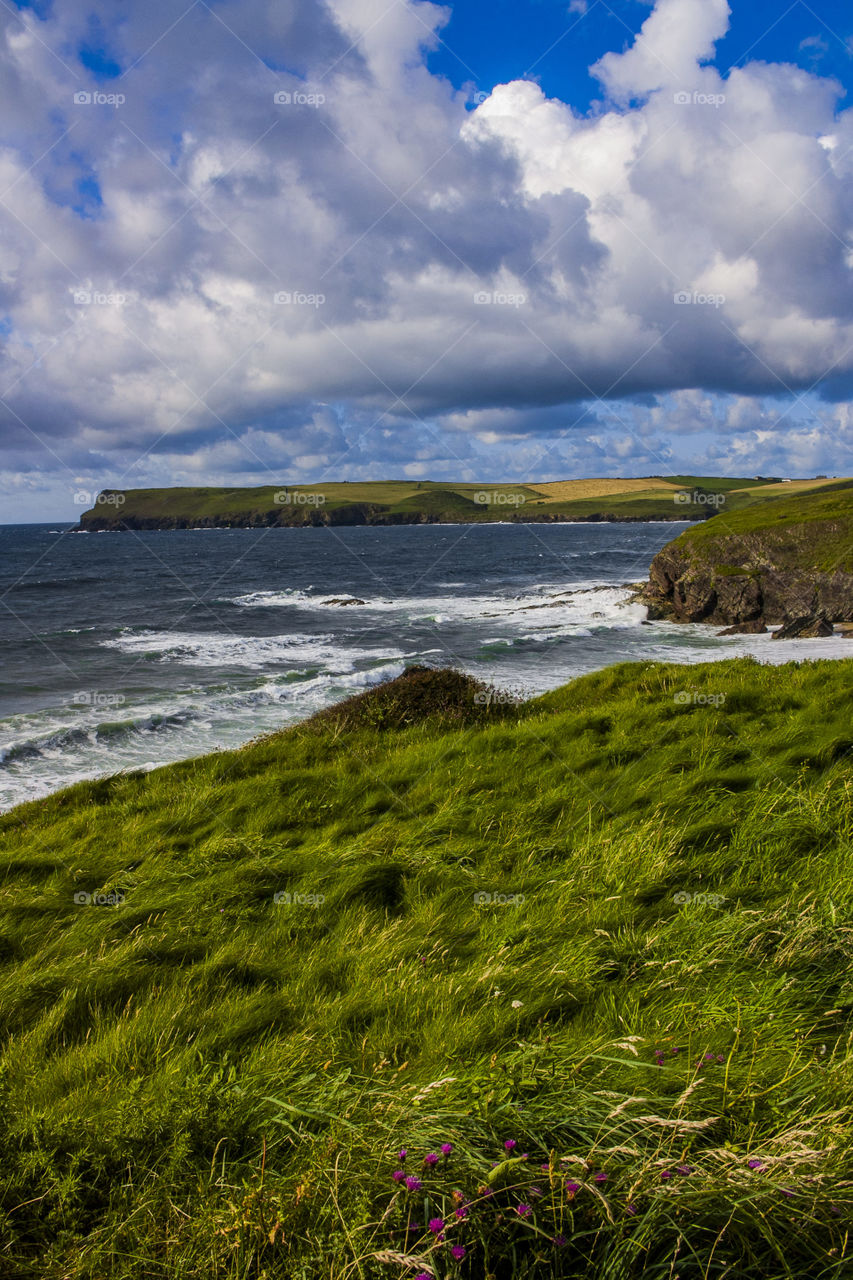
613 926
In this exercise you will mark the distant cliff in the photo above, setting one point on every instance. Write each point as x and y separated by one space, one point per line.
784 559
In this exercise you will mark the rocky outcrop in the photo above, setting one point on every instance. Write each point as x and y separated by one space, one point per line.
808 628
787 572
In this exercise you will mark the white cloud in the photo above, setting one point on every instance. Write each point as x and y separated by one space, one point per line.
399 208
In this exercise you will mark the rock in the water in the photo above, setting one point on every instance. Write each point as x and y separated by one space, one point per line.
754 628
807 628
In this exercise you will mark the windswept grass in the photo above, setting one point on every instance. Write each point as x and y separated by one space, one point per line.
612 926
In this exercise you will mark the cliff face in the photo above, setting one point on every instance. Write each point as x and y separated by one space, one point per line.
769 565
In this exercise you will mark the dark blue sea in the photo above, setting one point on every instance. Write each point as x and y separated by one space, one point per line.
130 650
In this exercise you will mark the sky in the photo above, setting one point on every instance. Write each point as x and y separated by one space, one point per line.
287 241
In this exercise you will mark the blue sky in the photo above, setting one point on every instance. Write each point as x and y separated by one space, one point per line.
244 243
489 44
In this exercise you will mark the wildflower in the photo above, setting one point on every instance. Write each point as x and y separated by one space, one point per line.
446 1148
432 1158
546 1168
458 1252
600 1177
572 1188
423 1275
720 1058
401 1155
523 1210
414 1184
684 1169
665 1174
788 1194
516 1004
461 1212
436 1226
631 1209
756 1164
510 1144
559 1241
398 1175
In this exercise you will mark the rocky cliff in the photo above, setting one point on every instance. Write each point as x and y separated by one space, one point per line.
785 559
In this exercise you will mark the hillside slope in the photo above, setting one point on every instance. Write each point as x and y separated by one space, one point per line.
599 945
784 558
388 502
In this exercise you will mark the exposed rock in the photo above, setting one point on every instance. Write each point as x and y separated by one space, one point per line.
780 561
755 627
808 628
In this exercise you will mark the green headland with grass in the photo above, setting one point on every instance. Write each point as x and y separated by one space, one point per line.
788 557
443 985
426 502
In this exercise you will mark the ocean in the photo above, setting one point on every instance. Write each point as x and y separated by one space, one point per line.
132 650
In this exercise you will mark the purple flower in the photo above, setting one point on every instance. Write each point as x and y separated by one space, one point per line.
446 1148
572 1188
432 1158
684 1169
398 1175
756 1164
788 1194
436 1226
631 1209
523 1210
414 1184
600 1177
461 1212
667 1173
559 1241
510 1144
423 1275
401 1155
458 1252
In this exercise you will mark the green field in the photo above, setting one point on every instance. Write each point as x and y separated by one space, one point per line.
396 501
652 1002
808 529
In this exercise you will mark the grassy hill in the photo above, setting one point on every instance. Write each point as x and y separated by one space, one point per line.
398 501
784 557
599 945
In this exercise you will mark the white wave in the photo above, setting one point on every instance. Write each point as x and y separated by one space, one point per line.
576 604
255 652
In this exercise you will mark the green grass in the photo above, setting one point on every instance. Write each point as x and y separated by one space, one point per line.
202 1082
447 502
809 530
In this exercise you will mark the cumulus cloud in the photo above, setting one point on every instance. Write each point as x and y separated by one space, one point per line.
274 239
